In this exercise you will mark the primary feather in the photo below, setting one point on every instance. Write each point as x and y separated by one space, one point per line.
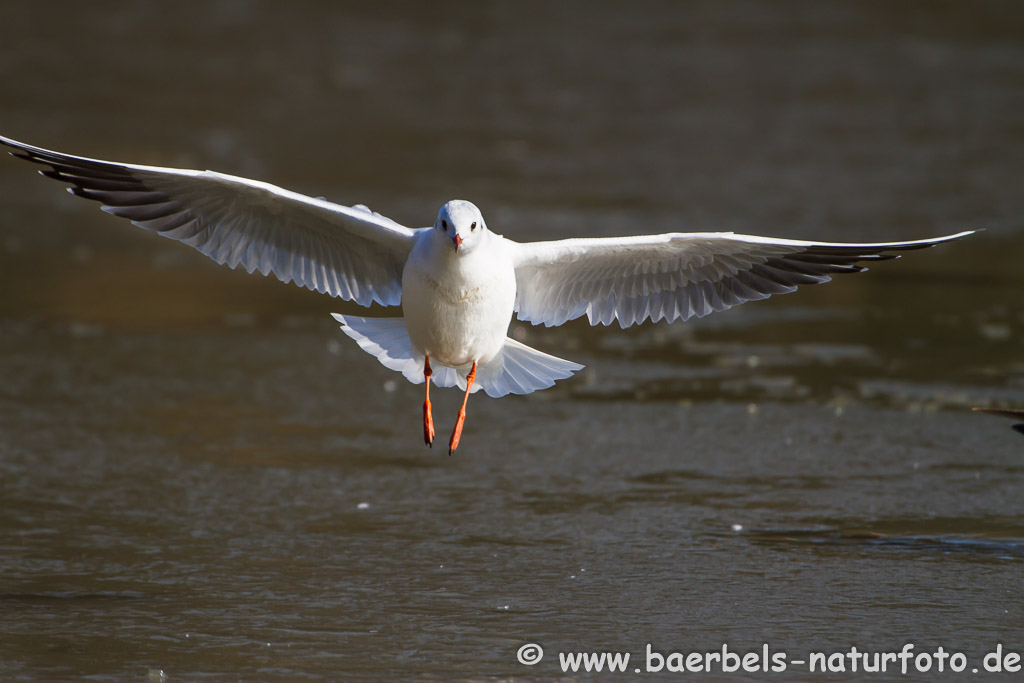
351 253
675 276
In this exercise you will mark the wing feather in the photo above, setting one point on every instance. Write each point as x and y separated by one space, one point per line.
676 276
347 252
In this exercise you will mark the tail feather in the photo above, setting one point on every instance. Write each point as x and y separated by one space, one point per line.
386 340
519 369
516 369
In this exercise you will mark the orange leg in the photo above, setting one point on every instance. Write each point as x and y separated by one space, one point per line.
428 419
454 443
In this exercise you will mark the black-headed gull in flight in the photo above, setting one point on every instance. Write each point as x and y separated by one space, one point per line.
458 282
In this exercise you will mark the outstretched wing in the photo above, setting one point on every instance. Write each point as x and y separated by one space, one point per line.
677 275
346 252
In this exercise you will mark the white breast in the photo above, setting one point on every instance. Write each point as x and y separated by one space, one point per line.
458 306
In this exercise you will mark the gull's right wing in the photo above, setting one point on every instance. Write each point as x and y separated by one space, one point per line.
351 253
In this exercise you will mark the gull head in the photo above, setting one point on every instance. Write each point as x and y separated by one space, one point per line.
460 223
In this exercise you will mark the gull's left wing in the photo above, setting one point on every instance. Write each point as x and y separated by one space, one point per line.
675 276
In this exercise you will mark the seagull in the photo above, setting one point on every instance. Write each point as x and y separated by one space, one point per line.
459 283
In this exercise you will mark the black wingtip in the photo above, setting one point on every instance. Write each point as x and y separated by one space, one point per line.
1013 413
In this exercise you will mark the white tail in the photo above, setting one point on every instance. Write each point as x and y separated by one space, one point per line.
517 369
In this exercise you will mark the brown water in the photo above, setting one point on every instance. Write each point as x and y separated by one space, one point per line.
201 477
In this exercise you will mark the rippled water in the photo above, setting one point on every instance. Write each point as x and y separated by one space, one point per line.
201 477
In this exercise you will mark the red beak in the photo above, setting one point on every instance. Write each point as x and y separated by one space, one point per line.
457 239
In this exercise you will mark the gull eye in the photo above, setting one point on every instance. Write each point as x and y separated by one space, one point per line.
473 226
444 224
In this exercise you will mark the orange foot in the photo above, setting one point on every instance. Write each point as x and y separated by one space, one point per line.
428 425
428 419
457 432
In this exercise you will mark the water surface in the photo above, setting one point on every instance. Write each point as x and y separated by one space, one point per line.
201 476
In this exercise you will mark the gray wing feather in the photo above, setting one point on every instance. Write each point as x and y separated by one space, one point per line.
347 252
676 276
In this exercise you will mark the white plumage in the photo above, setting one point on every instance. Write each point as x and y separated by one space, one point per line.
458 282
